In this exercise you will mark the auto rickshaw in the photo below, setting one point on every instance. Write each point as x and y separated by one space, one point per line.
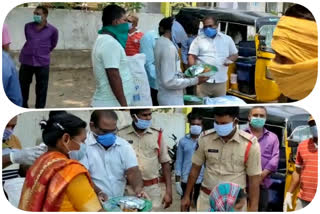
249 77
290 124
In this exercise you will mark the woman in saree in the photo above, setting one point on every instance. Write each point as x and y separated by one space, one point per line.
57 181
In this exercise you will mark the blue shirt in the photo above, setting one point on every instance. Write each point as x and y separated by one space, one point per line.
10 79
147 44
187 146
185 45
108 167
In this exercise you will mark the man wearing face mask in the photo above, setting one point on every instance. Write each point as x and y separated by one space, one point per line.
214 48
306 174
151 151
229 155
111 160
114 85
13 154
269 147
133 43
41 39
186 148
15 161
170 79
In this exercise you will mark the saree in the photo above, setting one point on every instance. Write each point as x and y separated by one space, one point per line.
47 180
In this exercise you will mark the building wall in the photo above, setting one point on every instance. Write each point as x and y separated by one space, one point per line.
77 28
28 129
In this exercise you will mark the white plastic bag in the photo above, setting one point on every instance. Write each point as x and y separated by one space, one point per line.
141 95
223 100
13 188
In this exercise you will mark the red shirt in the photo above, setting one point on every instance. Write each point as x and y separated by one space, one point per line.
307 159
133 43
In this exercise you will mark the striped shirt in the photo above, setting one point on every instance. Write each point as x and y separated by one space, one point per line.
307 160
133 43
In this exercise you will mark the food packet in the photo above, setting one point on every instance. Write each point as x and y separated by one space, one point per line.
201 70
131 203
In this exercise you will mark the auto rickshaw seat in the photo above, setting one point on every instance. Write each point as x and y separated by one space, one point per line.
247 48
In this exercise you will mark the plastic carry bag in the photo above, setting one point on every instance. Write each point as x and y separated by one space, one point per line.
201 70
141 95
223 100
13 188
127 203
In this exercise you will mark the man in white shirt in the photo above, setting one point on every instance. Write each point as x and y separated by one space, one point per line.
214 48
114 82
110 159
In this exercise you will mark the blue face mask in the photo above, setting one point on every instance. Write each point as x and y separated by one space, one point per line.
78 154
107 139
223 130
37 18
257 122
314 131
142 124
210 32
7 134
130 25
195 130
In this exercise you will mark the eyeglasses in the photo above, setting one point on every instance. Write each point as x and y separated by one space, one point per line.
105 131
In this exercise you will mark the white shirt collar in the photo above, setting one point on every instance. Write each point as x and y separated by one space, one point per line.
204 36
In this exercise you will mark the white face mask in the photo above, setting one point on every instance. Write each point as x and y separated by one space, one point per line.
195 129
78 154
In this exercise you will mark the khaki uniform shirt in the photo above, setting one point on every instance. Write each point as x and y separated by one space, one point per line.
146 148
224 162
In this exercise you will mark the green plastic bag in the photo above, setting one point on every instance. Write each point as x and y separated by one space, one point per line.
198 70
191 99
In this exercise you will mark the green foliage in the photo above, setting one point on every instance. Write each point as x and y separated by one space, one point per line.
129 6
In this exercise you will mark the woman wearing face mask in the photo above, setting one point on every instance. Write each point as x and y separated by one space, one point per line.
169 76
52 183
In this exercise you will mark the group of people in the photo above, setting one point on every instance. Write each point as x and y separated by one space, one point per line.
220 169
163 59
177 44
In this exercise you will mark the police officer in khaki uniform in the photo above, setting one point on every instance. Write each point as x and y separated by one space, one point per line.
229 154
151 151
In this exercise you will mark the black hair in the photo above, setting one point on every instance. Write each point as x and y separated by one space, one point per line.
255 107
58 124
111 13
194 29
137 110
194 116
43 8
242 194
213 18
299 11
223 111
53 113
165 25
187 22
97 114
